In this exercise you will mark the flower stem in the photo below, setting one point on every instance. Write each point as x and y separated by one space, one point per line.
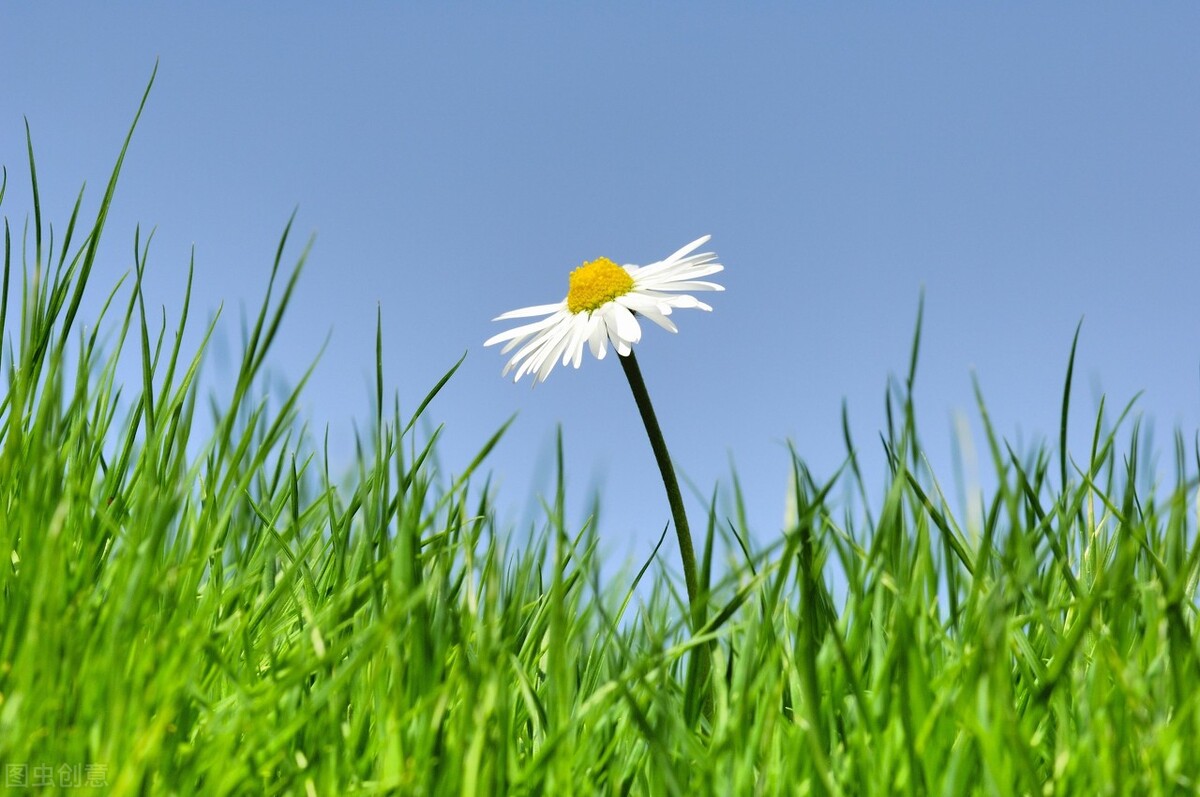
686 551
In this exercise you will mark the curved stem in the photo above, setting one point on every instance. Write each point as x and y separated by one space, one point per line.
686 551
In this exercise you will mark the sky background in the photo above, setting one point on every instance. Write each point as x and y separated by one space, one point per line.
1025 166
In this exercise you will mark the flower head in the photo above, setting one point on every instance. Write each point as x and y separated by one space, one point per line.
602 305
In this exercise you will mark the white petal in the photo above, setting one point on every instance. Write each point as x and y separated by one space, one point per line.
688 286
697 266
552 355
525 312
517 334
692 272
535 331
573 353
651 310
614 337
696 244
691 303
627 326
684 301
677 273
585 335
597 337
533 351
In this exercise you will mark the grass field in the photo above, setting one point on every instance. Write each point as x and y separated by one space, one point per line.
220 613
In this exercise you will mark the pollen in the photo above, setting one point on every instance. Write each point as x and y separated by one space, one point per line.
596 283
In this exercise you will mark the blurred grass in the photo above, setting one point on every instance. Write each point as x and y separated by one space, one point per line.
220 614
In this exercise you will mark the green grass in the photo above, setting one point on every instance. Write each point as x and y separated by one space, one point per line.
221 613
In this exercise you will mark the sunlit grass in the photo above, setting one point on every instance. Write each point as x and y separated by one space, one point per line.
220 612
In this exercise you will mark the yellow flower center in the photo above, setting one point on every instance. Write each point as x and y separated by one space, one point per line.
596 283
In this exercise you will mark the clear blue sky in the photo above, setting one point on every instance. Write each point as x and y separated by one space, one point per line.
1026 165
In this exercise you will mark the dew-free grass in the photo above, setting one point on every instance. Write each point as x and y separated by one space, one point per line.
195 600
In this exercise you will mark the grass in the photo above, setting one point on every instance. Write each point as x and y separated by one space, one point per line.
219 613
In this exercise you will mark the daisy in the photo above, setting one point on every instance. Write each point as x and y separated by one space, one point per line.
602 306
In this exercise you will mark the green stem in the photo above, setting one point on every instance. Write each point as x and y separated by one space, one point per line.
686 551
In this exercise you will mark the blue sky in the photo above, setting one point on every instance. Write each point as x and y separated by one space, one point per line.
1025 166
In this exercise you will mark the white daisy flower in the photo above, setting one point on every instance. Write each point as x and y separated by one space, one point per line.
602 305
